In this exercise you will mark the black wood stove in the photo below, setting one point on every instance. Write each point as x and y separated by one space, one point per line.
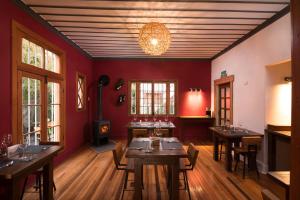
101 127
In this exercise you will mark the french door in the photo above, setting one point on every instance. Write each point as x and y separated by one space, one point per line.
39 108
224 104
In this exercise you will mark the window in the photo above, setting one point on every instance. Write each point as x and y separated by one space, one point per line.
81 91
38 88
152 97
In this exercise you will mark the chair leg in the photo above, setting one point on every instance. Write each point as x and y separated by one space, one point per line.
237 162
54 186
184 180
126 179
256 168
244 168
221 150
142 177
24 186
187 183
40 186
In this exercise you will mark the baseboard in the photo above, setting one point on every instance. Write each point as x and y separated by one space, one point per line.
262 167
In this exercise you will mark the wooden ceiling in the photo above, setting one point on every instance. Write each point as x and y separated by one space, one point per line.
199 29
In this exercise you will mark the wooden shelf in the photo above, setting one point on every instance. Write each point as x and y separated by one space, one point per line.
195 117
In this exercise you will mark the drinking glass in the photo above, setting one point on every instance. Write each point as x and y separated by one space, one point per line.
154 118
134 118
166 118
9 139
146 118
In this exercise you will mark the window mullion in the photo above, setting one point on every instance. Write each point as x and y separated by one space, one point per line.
168 98
152 102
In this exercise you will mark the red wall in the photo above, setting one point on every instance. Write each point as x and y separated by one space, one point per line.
76 121
187 73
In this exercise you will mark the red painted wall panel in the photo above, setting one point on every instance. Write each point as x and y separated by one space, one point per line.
187 73
76 121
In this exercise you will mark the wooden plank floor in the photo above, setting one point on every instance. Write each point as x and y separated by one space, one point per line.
89 175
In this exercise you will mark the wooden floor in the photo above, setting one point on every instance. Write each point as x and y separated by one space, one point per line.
89 175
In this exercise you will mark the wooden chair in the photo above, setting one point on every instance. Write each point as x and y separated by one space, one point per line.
118 153
38 176
249 149
192 159
268 195
139 133
163 132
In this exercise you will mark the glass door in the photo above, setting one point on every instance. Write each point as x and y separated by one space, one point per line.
30 108
53 110
224 104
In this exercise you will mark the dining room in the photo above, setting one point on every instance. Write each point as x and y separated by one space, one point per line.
180 99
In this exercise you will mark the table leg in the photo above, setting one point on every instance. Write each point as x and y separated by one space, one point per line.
48 181
13 190
174 195
228 155
137 179
129 138
216 147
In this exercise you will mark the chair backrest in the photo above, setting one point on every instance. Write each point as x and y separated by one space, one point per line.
252 143
163 132
268 195
48 143
118 154
192 154
139 133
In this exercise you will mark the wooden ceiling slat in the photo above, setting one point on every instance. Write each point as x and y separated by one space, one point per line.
123 30
79 19
153 13
135 39
140 50
173 36
137 46
138 26
159 5
114 34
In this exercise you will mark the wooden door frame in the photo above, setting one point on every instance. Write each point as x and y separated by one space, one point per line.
295 141
217 83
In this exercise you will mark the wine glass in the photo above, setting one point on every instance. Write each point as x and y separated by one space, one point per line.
146 118
9 140
166 118
154 118
134 118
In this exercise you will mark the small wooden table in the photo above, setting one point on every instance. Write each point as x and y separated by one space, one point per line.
283 179
167 153
11 175
150 126
230 137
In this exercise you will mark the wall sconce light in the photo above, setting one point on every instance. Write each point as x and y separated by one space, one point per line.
288 79
194 89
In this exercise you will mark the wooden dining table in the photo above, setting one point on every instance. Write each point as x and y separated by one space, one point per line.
168 152
229 137
17 169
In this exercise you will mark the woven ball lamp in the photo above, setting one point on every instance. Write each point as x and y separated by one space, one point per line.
154 38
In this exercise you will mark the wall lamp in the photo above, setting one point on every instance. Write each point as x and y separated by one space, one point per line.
288 79
194 89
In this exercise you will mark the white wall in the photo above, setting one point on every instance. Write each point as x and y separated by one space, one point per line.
247 62
278 94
